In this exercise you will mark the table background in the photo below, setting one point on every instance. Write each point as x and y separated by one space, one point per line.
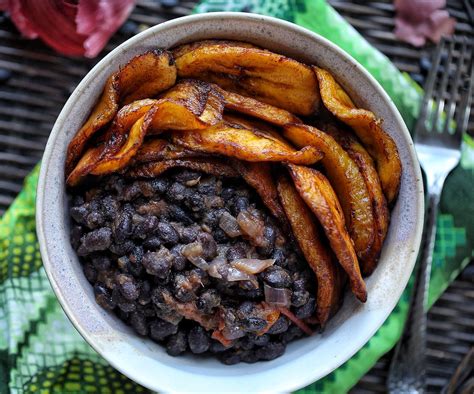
35 82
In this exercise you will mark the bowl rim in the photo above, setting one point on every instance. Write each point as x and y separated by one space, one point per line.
235 16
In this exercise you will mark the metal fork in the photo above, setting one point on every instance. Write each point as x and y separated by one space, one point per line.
438 134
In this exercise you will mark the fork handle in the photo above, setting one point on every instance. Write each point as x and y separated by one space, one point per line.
408 367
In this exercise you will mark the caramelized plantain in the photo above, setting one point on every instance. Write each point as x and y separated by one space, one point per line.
318 194
347 181
368 128
243 144
145 75
209 165
264 75
379 204
259 176
318 256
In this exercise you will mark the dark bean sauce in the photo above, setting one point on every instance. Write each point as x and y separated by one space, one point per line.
130 235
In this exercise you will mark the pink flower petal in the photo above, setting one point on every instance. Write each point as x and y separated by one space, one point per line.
441 25
108 16
417 10
73 28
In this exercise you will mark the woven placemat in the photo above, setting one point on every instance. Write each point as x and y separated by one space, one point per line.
35 82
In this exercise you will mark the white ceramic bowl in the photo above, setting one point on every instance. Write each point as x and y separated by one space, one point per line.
305 360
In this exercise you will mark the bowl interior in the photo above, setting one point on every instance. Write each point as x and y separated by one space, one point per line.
305 360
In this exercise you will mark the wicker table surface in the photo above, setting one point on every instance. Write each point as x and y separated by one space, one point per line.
35 83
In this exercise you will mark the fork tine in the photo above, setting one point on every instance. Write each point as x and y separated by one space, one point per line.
429 86
439 106
451 105
462 117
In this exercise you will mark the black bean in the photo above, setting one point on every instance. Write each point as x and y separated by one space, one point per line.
158 263
123 263
177 192
123 227
240 204
138 322
299 298
160 185
123 304
90 273
229 357
135 260
269 234
177 343
280 257
79 214
101 262
236 252
179 262
207 186
194 202
198 340
276 276
145 293
228 193
147 227
253 324
271 351
188 234
167 233
122 248
152 243
217 347
178 214
245 308
250 357
130 192
292 333
280 326
307 309
76 235
208 300
103 297
110 207
219 235
95 219
146 188
128 287
209 245
259 340
160 329
95 240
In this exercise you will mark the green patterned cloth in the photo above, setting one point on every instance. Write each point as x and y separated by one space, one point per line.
40 351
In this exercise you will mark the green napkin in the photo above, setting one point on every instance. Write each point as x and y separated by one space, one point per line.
40 351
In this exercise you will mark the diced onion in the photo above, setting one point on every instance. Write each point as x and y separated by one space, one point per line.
199 262
194 249
229 225
217 267
252 266
277 297
252 226
235 275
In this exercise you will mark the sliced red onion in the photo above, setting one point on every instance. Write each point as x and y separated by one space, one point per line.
232 333
278 297
199 262
194 249
252 226
229 225
252 266
193 182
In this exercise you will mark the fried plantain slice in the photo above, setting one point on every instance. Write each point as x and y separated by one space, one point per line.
347 181
318 194
257 109
156 149
309 238
259 176
188 105
264 75
243 144
368 128
379 204
208 165
145 75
